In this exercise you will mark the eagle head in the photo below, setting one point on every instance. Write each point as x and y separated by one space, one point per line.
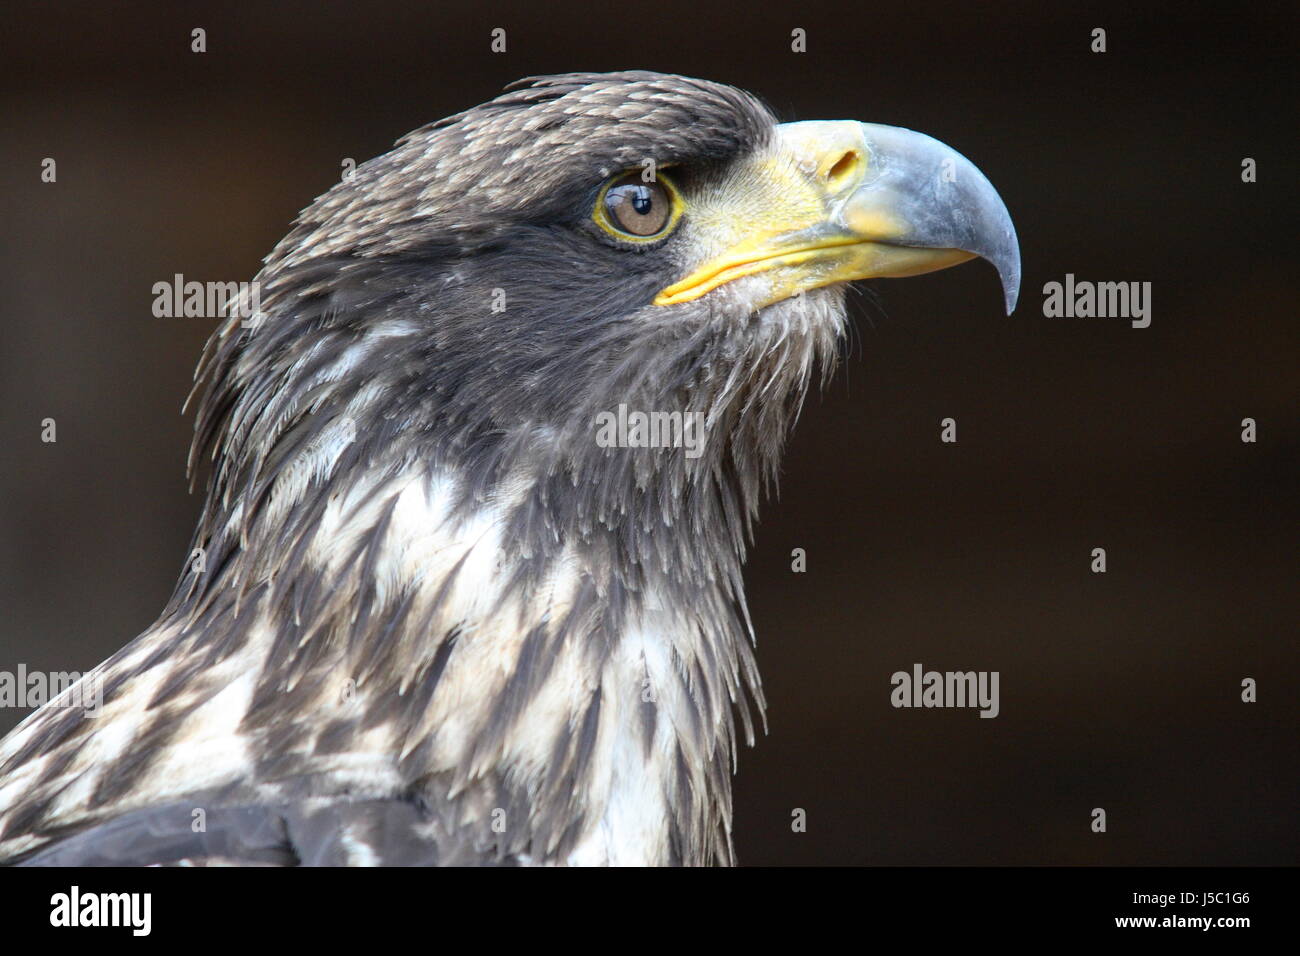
485 297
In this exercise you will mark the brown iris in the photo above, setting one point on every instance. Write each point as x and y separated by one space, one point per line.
638 208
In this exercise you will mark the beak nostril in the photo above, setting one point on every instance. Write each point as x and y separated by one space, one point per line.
844 166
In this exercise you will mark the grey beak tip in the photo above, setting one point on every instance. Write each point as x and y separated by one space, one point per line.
1007 262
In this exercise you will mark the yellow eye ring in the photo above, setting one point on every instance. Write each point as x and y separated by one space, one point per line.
632 210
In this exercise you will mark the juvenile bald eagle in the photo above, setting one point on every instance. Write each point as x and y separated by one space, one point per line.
437 619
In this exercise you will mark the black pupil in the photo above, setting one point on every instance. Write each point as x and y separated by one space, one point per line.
637 208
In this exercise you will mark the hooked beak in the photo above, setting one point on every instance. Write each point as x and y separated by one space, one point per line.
857 201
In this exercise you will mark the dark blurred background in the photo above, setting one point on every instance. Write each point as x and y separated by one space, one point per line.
1119 690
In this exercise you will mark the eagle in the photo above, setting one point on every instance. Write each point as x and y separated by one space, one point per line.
438 608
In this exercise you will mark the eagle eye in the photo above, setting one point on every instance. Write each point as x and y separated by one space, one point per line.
630 208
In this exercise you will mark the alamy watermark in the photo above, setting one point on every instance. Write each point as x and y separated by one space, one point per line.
78 908
1083 299
206 300
921 688
638 429
29 689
